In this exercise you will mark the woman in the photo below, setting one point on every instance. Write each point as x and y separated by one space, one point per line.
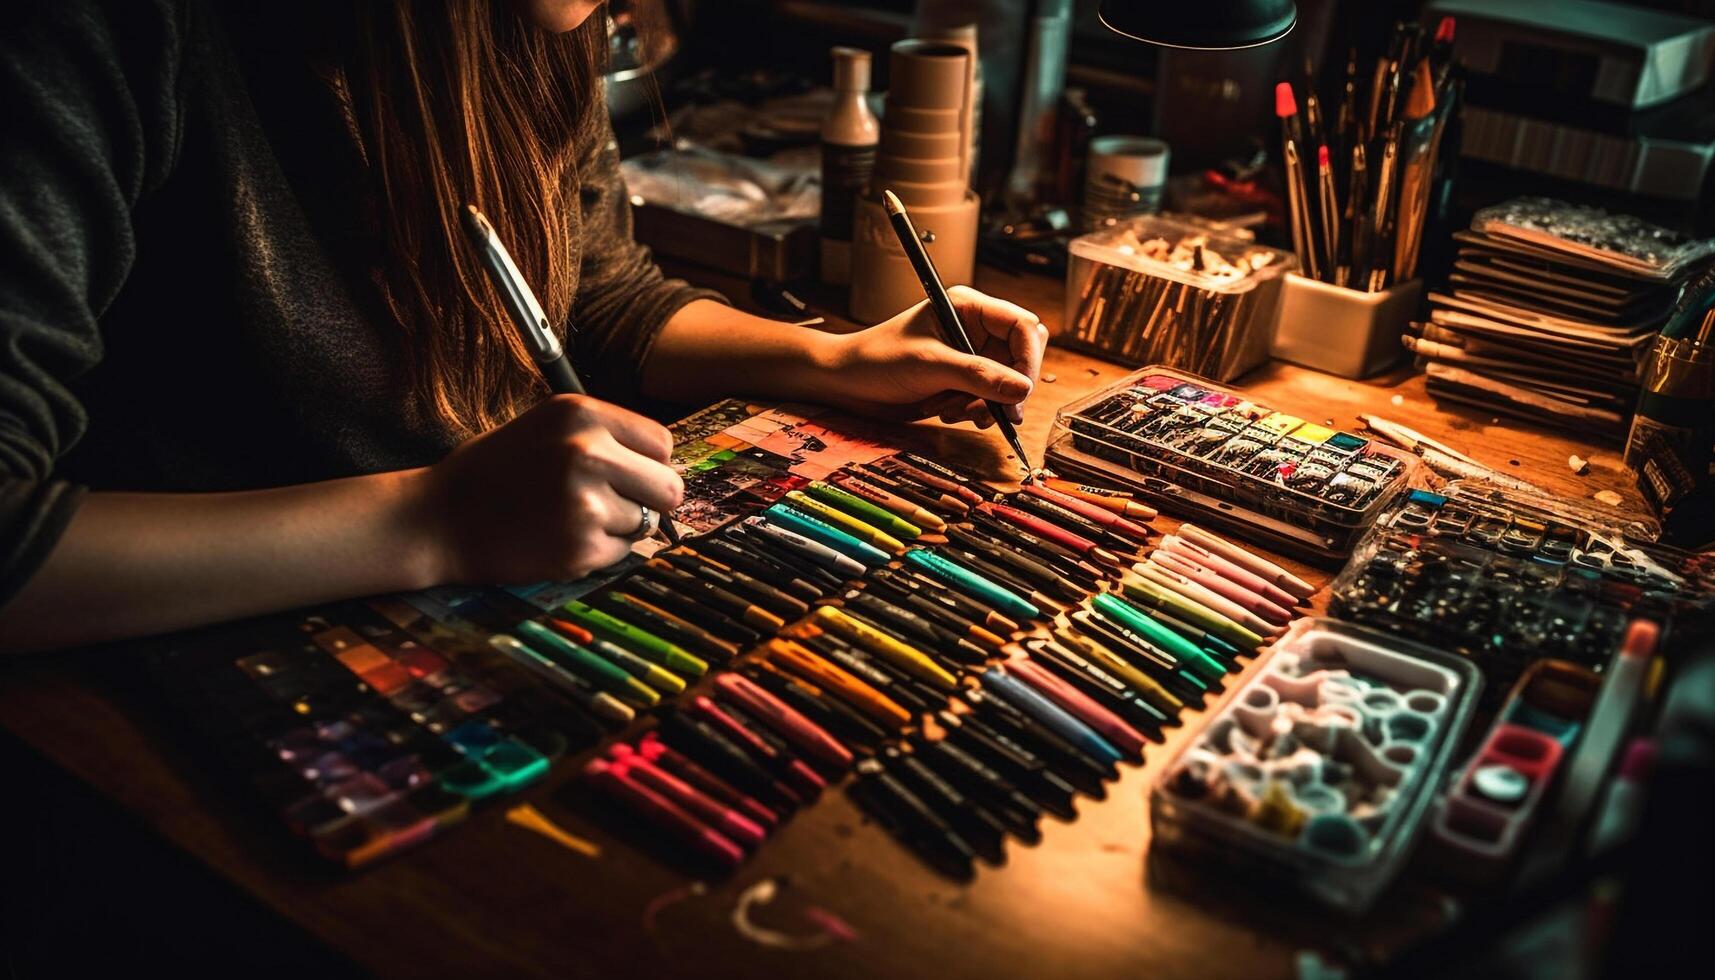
247 363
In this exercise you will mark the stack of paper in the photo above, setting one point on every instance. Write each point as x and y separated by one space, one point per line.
1550 310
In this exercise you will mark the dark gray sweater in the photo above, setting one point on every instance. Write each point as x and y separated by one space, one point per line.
184 289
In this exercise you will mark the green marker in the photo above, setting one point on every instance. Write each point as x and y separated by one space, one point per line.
602 672
836 517
972 584
647 645
821 531
1141 622
858 507
1156 595
660 678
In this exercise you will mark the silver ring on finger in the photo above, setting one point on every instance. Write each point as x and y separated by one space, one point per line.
647 525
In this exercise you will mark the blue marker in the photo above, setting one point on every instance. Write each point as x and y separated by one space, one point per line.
1024 697
972 584
819 530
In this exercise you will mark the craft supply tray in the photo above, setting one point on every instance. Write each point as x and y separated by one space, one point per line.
1201 449
1507 577
1322 768
1156 290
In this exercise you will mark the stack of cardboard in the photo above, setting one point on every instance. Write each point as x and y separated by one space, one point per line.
1550 309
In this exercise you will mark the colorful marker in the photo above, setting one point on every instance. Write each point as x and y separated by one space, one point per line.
615 778
797 729
1264 568
834 517
817 529
815 551
648 645
667 758
800 661
971 583
1105 518
1209 579
908 658
1150 585
1026 699
920 517
605 673
1136 619
1128 740
862 509
1111 500
716 814
599 703
1243 577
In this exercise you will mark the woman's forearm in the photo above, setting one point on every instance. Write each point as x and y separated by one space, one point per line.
708 350
133 564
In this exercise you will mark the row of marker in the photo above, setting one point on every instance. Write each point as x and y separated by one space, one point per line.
947 574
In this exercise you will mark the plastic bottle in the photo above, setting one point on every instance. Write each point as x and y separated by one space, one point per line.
849 136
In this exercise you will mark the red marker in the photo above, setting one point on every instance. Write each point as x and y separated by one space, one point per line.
617 781
809 779
1225 588
1041 528
1083 508
1109 725
964 493
812 738
665 757
724 819
572 631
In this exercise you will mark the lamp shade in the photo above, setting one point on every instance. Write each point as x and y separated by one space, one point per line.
1209 24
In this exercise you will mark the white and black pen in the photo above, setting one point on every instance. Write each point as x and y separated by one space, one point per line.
527 315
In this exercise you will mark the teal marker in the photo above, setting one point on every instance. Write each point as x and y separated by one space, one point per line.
644 643
818 530
1141 622
972 584
862 509
587 663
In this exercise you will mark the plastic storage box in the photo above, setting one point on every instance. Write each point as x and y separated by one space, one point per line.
1196 448
1322 768
1507 577
1157 291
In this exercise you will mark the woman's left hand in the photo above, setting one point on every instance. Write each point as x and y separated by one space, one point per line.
902 369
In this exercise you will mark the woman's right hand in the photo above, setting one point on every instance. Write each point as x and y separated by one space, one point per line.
554 494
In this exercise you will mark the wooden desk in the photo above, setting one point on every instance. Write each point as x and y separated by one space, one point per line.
492 898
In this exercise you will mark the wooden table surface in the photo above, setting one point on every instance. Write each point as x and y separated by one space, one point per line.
490 897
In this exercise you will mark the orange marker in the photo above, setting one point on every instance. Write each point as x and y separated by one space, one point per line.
1116 501
799 660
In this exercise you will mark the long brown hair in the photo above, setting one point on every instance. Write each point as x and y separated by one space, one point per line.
458 101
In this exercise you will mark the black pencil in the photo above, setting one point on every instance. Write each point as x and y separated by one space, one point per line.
530 320
948 317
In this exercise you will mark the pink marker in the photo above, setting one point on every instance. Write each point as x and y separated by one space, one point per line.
616 779
1221 586
1229 570
1203 596
1256 563
724 819
1109 725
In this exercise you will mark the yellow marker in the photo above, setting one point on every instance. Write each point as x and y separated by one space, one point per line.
530 818
1121 668
906 658
845 522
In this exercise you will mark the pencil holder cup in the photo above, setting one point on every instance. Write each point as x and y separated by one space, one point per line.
924 158
1343 331
1156 291
883 281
